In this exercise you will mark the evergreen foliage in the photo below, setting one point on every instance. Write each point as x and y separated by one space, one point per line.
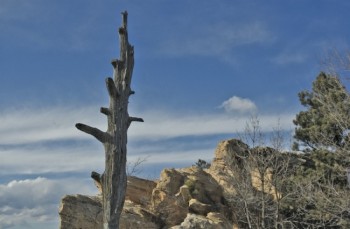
325 123
202 164
322 196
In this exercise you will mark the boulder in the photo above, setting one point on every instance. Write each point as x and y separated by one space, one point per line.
170 207
139 190
78 211
229 156
199 208
216 221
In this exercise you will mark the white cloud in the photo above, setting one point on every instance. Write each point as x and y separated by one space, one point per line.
36 200
240 105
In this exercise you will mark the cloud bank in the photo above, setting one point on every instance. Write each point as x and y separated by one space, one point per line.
24 202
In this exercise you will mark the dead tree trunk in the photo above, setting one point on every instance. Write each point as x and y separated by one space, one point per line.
113 180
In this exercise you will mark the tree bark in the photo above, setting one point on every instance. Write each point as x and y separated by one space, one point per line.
115 138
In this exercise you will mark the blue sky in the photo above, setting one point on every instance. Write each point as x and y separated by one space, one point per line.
201 70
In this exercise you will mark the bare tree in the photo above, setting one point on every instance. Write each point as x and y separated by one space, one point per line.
259 177
134 168
114 140
337 63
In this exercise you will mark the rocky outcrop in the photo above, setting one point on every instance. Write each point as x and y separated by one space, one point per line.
228 153
139 190
85 212
183 191
80 211
182 198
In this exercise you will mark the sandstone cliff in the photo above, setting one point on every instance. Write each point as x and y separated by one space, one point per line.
182 198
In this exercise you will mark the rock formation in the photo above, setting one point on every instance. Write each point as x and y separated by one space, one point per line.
181 199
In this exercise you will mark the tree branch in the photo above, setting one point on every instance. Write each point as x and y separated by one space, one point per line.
105 110
98 134
96 176
117 63
98 180
135 119
125 19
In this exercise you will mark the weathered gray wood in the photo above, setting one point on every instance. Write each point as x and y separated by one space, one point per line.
115 138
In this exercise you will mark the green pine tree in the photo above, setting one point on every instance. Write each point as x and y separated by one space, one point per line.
325 123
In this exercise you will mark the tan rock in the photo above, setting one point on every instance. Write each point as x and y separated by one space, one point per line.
80 211
195 221
85 212
136 217
170 198
201 222
139 190
219 220
170 181
184 193
197 207
228 153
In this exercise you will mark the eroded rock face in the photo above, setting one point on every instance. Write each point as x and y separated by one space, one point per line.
78 211
199 208
182 198
183 191
227 153
139 190
85 212
171 207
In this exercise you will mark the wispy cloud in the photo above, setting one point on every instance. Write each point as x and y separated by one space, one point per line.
45 140
57 123
39 159
162 125
31 125
30 25
217 40
290 58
